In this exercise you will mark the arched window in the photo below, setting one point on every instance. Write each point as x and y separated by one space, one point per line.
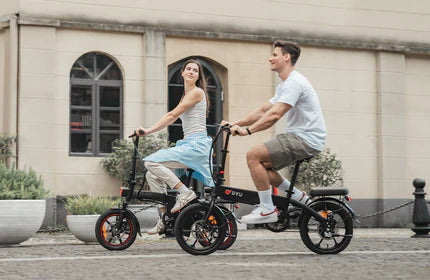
215 92
95 105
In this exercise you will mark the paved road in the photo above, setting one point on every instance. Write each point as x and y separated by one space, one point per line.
257 254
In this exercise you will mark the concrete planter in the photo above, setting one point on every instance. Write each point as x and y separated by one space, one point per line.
147 218
20 219
83 227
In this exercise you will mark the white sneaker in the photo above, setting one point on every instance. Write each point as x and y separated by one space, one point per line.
305 199
158 228
261 215
182 200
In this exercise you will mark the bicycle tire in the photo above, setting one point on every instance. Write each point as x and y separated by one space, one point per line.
199 237
113 235
231 234
323 241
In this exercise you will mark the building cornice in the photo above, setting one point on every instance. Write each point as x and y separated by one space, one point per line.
403 47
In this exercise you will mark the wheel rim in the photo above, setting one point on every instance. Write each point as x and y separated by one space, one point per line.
111 234
331 235
228 233
201 234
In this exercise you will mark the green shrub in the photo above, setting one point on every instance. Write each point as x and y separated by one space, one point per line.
324 170
89 204
118 163
5 151
20 184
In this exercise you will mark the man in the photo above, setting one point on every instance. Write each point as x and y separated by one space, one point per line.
304 137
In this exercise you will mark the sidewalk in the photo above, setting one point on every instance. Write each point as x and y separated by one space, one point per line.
252 234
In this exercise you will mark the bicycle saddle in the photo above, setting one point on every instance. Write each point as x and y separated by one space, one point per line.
328 191
305 159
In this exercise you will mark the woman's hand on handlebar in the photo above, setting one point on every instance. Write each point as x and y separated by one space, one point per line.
138 132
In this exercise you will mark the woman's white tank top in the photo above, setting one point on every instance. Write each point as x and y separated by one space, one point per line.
194 119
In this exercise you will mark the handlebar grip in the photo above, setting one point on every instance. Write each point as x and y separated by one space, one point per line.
223 126
141 132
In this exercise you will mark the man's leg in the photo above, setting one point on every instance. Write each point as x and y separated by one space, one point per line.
266 212
258 157
285 149
282 183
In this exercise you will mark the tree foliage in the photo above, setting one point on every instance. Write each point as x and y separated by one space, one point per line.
118 163
323 170
5 142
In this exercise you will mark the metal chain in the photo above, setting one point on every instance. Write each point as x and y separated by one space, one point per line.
144 207
386 211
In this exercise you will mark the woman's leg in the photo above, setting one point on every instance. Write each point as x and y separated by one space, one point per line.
158 186
163 171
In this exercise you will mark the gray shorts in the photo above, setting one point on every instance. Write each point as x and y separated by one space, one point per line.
287 148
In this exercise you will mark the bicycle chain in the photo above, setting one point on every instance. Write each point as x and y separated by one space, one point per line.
386 210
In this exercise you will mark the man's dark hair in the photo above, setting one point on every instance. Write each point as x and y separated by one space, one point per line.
288 47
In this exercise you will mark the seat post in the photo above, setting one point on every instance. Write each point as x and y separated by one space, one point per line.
293 179
189 177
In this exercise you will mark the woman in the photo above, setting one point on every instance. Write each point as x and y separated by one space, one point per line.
191 152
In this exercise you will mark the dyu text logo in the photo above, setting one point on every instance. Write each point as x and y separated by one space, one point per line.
233 193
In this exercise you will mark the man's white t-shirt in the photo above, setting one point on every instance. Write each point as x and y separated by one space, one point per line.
305 118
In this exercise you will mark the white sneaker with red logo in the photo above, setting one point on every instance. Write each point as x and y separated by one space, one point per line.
261 215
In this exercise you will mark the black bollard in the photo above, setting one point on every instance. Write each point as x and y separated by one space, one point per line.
420 217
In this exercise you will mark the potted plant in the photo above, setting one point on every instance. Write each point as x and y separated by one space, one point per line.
83 212
22 204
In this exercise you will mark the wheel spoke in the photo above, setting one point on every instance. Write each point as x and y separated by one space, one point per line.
194 243
335 241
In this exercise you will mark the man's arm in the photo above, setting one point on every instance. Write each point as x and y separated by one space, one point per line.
254 115
268 119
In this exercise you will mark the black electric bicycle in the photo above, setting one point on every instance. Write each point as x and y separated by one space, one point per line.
117 228
326 225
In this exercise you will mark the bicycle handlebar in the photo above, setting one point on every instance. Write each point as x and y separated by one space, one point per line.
224 127
141 131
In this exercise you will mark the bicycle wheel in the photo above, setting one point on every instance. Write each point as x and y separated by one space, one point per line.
196 235
336 237
231 234
114 234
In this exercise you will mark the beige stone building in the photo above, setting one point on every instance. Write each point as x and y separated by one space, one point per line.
74 75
